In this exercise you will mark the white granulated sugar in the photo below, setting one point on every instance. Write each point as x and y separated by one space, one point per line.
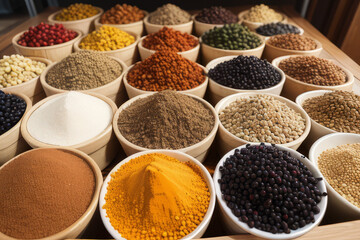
69 119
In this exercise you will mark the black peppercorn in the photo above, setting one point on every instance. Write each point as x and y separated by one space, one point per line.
272 29
12 109
216 15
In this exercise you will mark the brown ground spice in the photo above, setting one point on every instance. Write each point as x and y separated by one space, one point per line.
166 120
165 70
42 192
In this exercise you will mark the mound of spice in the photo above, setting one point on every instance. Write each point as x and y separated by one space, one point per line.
216 15
69 119
272 29
337 110
169 14
16 69
245 72
341 167
122 14
42 192
170 39
149 122
44 35
106 38
262 118
313 70
12 108
292 41
77 11
269 189
165 70
83 70
156 196
262 13
231 37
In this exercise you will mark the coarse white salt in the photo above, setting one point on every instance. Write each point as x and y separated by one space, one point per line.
69 119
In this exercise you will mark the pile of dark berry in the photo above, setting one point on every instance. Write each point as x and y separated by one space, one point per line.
12 108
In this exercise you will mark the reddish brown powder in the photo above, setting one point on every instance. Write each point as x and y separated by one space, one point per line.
43 192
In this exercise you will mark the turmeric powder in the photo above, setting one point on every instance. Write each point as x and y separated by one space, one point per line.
156 196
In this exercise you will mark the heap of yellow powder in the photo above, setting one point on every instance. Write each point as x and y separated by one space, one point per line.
156 196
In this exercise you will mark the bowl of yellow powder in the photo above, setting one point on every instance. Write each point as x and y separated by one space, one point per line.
112 42
157 194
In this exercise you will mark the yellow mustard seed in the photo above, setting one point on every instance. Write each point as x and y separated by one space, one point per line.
106 38
77 11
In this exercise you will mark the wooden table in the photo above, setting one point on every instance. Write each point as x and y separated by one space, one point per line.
349 230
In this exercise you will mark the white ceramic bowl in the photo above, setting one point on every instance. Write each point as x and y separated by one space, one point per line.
235 226
198 150
253 25
196 91
31 88
135 27
201 27
114 90
339 209
218 91
209 53
85 25
267 37
199 231
293 87
78 227
128 54
191 54
53 53
228 141
102 148
152 28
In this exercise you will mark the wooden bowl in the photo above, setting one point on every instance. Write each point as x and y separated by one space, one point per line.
201 27
153 28
11 142
102 148
85 25
127 54
191 54
209 53
114 90
293 87
228 141
201 228
267 37
53 53
271 52
136 27
253 25
235 226
75 229
31 88
198 150
218 91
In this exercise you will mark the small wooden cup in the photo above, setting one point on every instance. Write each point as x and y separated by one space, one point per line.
201 27
253 25
11 142
102 148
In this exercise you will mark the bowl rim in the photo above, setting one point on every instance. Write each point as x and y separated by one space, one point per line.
51 17
95 198
221 104
258 232
146 22
242 19
205 174
71 42
227 58
133 45
201 85
196 48
302 31
317 49
128 103
44 84
30 139
349 75
314 160
97 22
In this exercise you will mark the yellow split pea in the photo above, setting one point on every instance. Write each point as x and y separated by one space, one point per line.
106 38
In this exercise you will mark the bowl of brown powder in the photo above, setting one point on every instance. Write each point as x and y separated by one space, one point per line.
166 120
